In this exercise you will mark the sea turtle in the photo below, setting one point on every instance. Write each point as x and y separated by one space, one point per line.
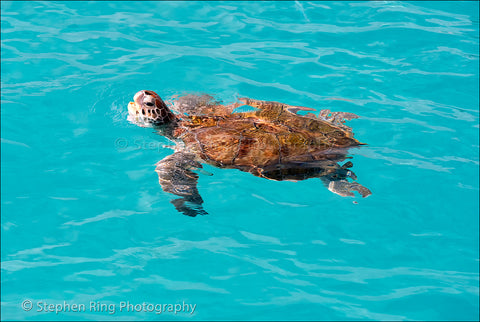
272 142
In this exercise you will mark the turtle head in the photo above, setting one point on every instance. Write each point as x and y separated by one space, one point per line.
148 109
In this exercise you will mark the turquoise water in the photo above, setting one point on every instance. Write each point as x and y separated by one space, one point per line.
83 217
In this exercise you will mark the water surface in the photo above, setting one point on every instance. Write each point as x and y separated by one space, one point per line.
84 219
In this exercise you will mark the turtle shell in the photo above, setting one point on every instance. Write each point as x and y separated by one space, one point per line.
263 138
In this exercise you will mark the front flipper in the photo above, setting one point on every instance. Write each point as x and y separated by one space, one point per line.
265 105
201 105
175 175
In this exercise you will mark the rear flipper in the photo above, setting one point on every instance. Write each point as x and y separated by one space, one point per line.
175 175
345 188
337 182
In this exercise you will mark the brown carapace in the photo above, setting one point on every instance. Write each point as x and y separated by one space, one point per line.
272 142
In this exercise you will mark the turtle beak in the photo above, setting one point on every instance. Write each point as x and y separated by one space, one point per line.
132 109
135 108
134 114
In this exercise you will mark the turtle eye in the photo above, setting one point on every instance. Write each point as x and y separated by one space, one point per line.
149 104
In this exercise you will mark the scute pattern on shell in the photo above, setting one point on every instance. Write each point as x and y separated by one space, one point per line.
262 138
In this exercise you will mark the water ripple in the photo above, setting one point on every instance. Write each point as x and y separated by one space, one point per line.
179 285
